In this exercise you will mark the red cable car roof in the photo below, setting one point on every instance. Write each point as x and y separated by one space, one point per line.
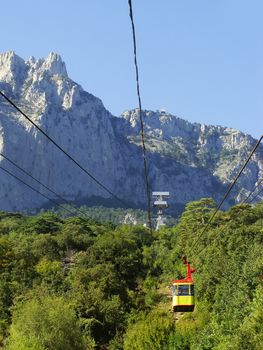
184 280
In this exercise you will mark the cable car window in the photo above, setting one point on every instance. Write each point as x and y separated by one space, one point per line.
183 290
192 289
174 290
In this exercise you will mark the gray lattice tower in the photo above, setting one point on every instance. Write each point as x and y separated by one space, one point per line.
160 203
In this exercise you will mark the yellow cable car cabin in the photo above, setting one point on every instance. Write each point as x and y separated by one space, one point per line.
183 292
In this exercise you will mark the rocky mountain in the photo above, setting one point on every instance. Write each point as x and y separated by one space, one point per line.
189 160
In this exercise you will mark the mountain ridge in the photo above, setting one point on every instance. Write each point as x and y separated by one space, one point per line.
191 160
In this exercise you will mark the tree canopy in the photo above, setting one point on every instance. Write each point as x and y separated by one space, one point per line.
74 283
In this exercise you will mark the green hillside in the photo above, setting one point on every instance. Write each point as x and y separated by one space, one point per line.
78 284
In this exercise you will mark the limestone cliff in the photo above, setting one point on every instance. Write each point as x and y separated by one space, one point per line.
189 160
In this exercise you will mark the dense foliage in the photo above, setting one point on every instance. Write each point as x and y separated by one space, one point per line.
116 216
73 283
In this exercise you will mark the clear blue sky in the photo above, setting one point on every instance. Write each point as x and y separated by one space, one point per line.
201 60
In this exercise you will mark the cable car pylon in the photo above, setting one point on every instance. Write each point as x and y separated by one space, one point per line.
160 202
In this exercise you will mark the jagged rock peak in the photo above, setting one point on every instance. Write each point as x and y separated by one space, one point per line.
53 64
11 66
10 57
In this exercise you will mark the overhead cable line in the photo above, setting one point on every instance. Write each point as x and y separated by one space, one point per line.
63 151
256 195
243 208
230 276
33 189
252 191
47 188
244 201
229 189
148 195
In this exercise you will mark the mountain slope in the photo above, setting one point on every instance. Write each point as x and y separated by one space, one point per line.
189 160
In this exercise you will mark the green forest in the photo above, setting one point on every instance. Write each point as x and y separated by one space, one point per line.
101 213
116 216
78 284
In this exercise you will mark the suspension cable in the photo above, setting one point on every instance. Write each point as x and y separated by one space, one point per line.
46 187
63 151
254 197
229 189
148 195
35 190
230 276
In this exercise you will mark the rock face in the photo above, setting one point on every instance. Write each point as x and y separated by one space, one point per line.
189 160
